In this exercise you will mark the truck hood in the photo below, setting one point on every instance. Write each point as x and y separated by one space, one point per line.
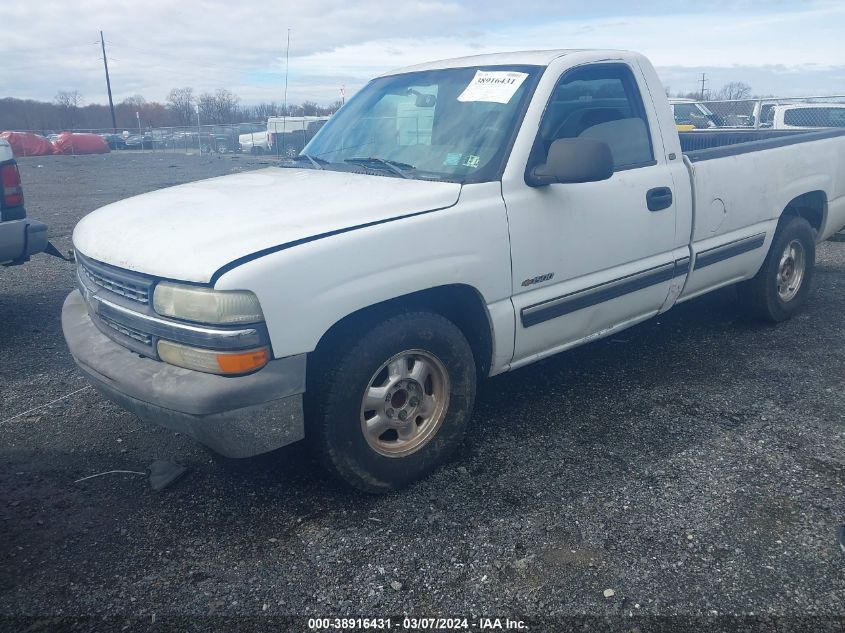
190 231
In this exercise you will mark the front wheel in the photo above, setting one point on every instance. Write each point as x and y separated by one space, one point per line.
781 286
393 405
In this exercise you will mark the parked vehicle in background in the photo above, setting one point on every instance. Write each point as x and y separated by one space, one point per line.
115 141
138 141
688 112
255 142
28 143
288 135
785 114
798 116
355 294
78 143
218 143
20 237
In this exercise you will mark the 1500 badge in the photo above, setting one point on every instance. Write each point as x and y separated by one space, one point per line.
537 280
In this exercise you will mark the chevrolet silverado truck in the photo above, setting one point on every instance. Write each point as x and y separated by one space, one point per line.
454 220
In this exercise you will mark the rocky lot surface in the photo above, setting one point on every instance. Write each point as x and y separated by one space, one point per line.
693 465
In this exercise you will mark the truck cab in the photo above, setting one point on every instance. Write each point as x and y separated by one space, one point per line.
802 116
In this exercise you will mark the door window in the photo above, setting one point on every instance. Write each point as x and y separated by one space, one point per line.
815 117
601 102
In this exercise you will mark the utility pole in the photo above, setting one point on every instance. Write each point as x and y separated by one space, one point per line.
703 82
108 83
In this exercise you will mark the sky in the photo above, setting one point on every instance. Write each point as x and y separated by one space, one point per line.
778 47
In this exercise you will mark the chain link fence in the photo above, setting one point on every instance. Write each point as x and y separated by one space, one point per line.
282 137
794 113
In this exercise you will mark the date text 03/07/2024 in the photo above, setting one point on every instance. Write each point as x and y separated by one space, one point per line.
416 624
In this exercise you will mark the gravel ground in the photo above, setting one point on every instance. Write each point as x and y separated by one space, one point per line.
693 465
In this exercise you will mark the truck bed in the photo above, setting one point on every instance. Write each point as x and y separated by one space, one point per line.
743 179
707 144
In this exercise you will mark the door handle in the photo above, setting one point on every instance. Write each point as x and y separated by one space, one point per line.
658 198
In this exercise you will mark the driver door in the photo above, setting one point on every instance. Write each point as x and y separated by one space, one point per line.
592 257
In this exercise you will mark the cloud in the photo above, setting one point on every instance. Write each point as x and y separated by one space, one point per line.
789 46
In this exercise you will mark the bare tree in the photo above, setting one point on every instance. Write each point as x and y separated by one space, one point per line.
332 107
227 105
207 108
180 102
263 111
219 107
135 101
733 91
309 108
68 102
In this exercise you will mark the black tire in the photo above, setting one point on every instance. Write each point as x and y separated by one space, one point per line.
760 295
342 375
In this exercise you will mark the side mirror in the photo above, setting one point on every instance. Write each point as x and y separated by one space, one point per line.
573 160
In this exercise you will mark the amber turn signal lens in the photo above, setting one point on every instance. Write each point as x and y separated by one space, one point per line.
243 362
213 361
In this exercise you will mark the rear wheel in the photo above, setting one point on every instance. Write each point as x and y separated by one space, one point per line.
781 286
393 405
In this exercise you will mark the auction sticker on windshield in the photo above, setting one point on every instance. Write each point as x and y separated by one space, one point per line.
496 86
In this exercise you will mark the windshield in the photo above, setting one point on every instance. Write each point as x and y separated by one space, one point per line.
455 124
692 114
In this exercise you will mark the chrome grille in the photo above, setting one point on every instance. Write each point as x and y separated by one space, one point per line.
137 335
128 285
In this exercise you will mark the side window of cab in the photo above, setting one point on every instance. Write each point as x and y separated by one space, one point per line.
601 102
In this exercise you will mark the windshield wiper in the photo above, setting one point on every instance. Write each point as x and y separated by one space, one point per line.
316 163
392 165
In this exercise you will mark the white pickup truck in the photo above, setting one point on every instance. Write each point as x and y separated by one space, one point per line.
452 221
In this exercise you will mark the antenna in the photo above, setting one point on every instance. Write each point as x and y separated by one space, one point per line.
285 111
287 64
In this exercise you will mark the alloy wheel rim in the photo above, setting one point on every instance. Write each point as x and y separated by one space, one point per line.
405 403
791 269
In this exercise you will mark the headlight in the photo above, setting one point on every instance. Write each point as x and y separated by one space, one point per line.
211 361
204 305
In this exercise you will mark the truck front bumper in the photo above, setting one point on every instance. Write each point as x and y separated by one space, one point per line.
237 416
20 239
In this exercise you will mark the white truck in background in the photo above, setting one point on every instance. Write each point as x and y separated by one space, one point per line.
354 295
285 136
254 142
801 116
